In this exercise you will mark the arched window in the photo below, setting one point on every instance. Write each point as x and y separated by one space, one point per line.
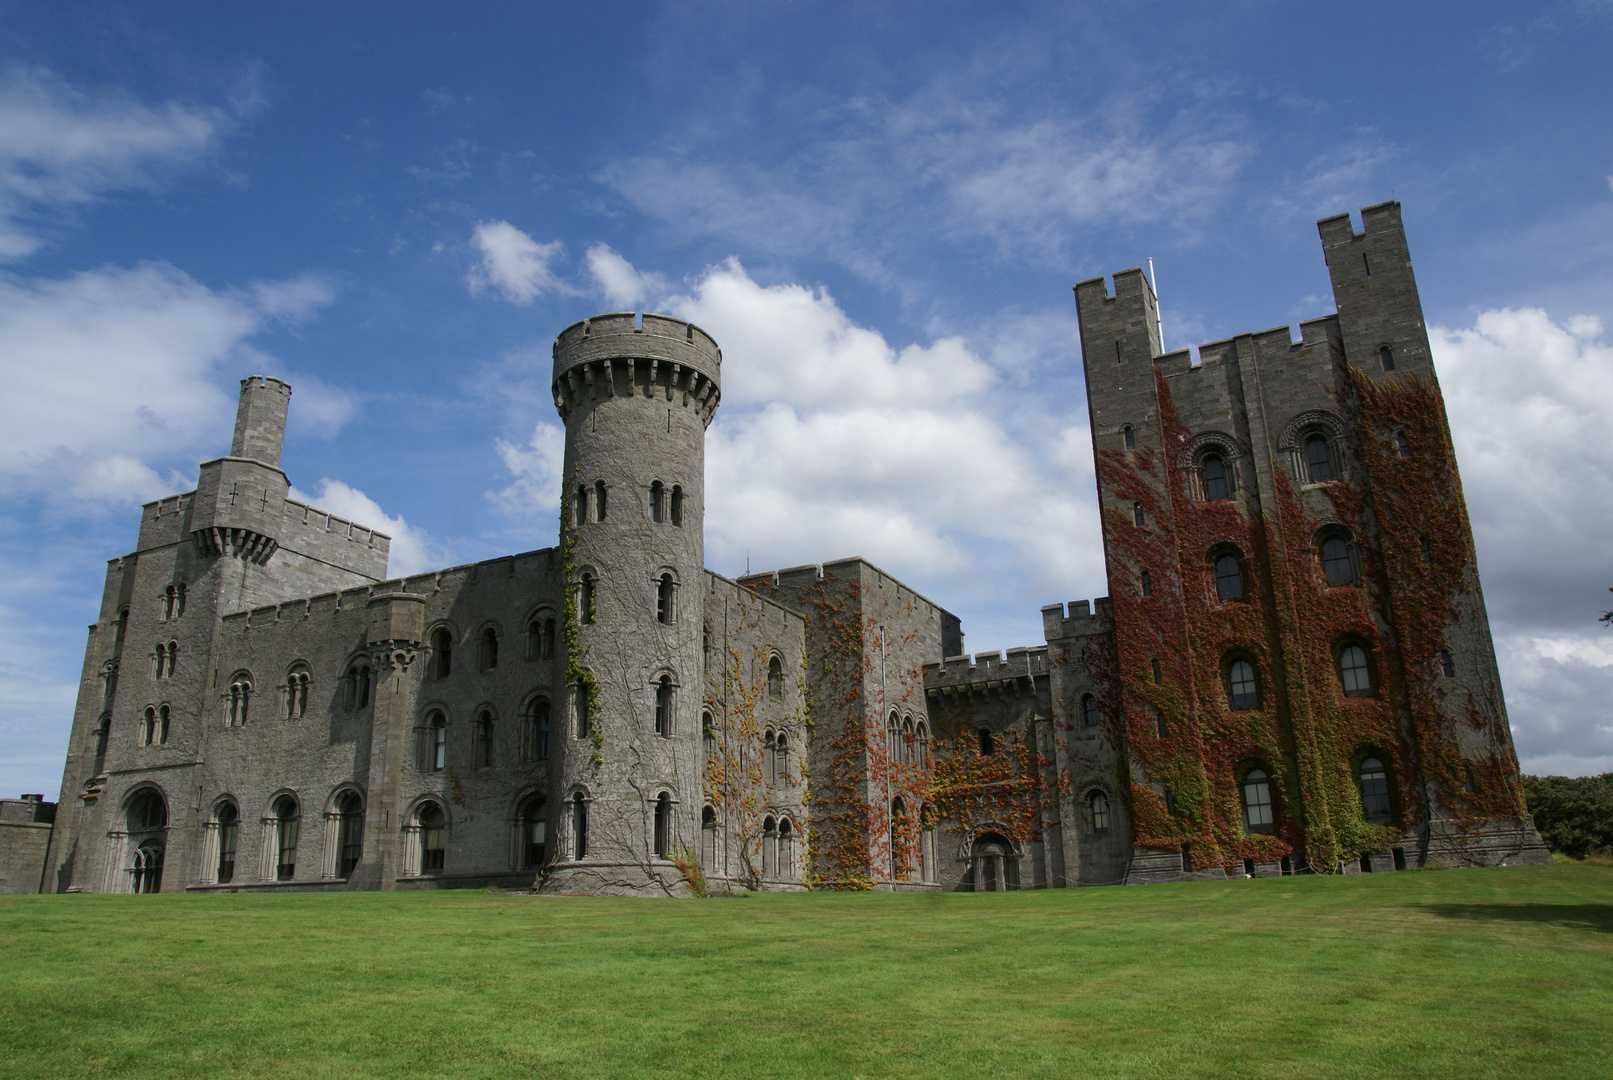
1257 802
484 740
434 743
775 678
922 743
988 744
1089 711
1447 666
535 730
582 503
769 756
1242 690
599 500
487 649
1402 445
1148 583
907 741
708 736
349 833
708 839
148 726
1129 435
229 827
179 608
663 706
1340 565
147 870
1228 578
663 825
898 840
1375 792
769 847
546 648
585 599
297 693
677 505
579 825
1386 356
1159 722
356 686
163 715
786 849
286 821
1159 675
170 597
442 652
433 839
534 832
891 736
1137 514
1217 481
584 721
657 501
1354 672
1099 802
781 759
148 812
103 731
239 698
1318 459
663 599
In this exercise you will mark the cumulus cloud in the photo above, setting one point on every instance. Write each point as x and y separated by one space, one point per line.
1531 405
513 264
623 285
60 149
412 551
831 441
536 467
117 377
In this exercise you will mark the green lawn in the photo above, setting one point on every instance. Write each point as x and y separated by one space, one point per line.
1441 974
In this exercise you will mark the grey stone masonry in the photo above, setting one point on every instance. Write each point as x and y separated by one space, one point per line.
1292 672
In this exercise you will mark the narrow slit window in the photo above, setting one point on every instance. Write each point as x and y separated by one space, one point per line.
1402 444
663 599
663 707
1137 514
1447 666
677 505
599 500
1089 711
657 501
582 503
1130 435
1158 674
1386 356
988 744
1148 584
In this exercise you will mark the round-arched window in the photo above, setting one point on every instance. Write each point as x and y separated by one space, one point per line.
1257 802
1318 459
1228 578
1375 791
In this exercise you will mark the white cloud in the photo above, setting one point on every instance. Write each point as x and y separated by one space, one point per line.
623 285
412 551
115 378
292 301
1531 405
514 264
61 148
536 468
799 347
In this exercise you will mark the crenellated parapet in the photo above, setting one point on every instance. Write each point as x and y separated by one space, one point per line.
616 356
1082 620
989 673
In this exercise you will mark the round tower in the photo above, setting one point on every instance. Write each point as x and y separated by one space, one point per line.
636 400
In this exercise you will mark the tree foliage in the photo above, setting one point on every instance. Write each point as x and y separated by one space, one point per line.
1574 814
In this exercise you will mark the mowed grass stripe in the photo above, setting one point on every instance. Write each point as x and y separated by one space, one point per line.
1440 974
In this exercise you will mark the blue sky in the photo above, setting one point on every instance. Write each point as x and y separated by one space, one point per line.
878 210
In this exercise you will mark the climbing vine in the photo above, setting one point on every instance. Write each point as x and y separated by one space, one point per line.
575 671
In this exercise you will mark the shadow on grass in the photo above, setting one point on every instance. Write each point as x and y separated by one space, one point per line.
1596 917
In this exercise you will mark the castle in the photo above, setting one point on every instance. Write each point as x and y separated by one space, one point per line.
1293 673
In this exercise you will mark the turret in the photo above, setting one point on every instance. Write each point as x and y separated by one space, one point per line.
636 400
260 420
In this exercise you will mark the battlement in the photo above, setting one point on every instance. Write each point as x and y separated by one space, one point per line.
1082 620
615 355
1379 219
1013 672
1121 326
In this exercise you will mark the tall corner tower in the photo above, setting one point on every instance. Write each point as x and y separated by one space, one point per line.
636 398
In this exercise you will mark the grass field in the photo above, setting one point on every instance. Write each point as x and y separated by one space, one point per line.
1470 973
